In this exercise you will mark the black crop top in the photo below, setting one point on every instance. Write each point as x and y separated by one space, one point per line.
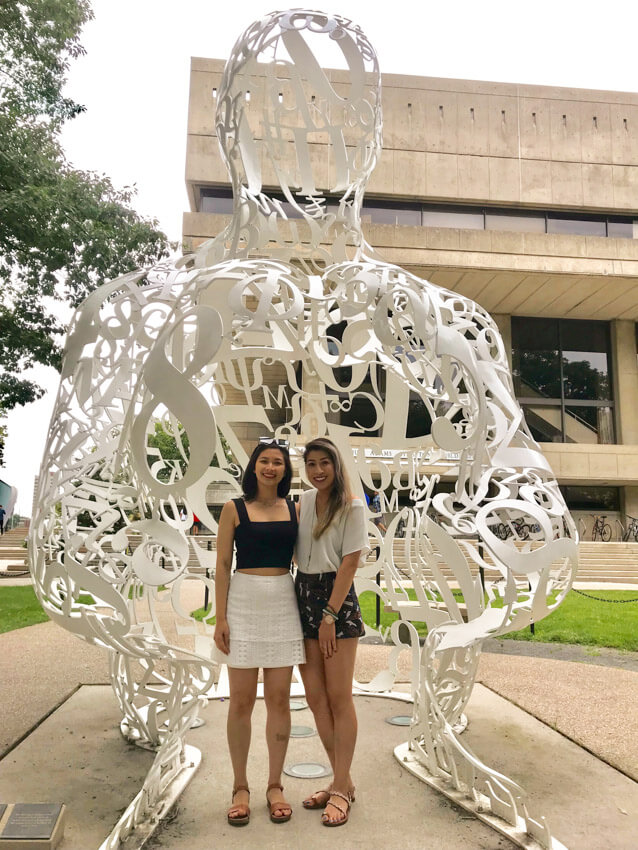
264 544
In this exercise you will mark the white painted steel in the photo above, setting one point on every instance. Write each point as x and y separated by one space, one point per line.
194 346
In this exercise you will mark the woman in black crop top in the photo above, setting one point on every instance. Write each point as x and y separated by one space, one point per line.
257 618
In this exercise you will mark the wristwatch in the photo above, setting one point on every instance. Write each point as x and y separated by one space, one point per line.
328 619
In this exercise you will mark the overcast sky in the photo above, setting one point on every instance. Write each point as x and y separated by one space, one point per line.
134 84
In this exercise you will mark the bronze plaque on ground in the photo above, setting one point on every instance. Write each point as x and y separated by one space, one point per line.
32 826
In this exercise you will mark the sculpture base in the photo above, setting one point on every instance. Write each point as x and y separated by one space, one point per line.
142 832
517 835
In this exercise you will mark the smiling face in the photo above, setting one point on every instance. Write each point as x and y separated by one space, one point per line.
320 470
270 467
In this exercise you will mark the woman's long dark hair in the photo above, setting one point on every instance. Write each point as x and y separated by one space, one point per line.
341 494
249 481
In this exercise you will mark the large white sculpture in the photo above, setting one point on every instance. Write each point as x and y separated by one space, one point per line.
285 324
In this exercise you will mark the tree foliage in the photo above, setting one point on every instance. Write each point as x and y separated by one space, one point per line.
165 447
63 232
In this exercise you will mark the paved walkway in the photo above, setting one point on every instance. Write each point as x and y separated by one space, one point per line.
521 716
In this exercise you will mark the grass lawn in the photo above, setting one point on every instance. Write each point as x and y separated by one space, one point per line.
19 607
578 620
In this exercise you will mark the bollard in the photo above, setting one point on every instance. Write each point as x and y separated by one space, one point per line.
206 588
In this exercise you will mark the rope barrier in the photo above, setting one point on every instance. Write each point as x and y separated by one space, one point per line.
600 599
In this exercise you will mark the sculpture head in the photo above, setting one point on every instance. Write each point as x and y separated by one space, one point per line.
277 107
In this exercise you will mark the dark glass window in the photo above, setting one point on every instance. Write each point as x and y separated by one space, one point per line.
463 219
562 379
545 422
416 214
517 221
379 213
557 223
215 204
536 359
586 358
592 499
619 229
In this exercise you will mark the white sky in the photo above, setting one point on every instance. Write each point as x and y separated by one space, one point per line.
134 83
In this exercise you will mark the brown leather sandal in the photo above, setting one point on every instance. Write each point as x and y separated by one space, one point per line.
318 800
242 810
345 812
281 806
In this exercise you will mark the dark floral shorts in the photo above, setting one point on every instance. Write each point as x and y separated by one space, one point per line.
313 593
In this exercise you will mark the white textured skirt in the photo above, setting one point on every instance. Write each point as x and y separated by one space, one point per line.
264 624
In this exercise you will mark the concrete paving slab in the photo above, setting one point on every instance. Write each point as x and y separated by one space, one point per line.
40 666
77 756
597 707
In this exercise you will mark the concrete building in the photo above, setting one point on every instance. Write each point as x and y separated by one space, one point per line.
524 198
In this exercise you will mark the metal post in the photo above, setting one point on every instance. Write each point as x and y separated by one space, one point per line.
206 587
378 602
532 626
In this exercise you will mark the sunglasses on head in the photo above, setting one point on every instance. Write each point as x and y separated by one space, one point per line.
275 441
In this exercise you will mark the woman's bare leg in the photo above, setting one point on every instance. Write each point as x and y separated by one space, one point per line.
339 672
277 698
314 682
243 693
314 676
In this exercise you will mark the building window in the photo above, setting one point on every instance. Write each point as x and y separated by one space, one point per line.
562 379
214 199
518 222
386 213
463 219
570 224
592 499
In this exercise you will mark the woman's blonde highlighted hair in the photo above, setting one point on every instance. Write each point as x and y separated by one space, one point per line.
341 494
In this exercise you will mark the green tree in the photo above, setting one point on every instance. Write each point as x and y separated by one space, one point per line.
166 443
63 232
3 434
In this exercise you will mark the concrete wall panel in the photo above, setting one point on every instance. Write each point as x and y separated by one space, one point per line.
441 175
503 126
473 124
534 122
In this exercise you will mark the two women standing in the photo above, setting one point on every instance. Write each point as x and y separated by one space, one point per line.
259 623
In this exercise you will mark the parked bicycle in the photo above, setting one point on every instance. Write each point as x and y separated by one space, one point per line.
601 528
632 529
503 530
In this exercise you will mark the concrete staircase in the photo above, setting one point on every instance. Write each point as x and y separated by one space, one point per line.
608 562
599 563
13 555
603 563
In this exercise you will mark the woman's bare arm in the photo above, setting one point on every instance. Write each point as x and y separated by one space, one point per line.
225 539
